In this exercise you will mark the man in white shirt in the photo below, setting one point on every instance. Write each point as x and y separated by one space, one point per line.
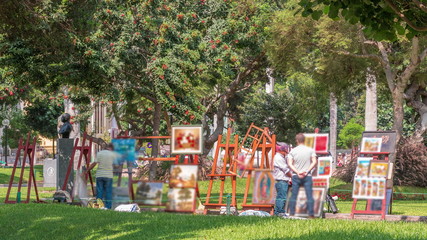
282 175
104 174
301 161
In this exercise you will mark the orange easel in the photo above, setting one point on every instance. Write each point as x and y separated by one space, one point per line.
264 142
230 156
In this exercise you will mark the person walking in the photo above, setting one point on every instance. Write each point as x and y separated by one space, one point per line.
301 161
282 175
104 174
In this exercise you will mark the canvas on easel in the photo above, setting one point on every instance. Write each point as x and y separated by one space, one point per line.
301 205
378 169
149 193
264 191
181 200
362 169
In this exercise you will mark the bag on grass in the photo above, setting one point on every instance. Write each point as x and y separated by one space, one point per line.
61 196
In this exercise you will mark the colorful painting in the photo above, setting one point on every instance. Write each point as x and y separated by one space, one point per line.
149 193
321 142
378 169
181 200
183 176
324 166
301 206
187 140
388 143
321 182
371 145
369 188
309 140
263 191
362 169
126 148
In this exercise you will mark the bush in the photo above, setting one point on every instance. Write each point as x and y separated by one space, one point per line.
411 164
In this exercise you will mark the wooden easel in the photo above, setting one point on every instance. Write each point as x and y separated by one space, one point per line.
230 156
86 152
262 140
367 210
29 151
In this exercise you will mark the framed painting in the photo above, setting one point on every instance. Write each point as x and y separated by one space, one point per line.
371 145
183 176
357 184
321 182
309 139
181 200
388 143
301 205
263 190
120 196
321 142
149 193
126 148
362 168
378 169
187 139
324 166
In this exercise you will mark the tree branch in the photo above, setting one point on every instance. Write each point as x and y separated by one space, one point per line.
387 67
420 5
403 17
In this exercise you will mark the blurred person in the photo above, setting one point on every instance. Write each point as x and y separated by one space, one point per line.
282 175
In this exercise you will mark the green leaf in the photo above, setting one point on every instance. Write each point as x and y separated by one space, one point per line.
316 15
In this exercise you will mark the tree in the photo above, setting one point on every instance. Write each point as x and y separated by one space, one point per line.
351 135
383 19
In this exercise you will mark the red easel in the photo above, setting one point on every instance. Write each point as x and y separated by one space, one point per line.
367 210
29 150
86 151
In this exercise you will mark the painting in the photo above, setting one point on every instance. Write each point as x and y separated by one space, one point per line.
388 143
181 200
126 148
149 193
120 196
369 188
362 169
309 140
371 145
321 182
187 139
301 206
183 176
321 143
324 166
378 169
263 191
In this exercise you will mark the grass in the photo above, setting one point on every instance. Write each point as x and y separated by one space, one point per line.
5 174
57 221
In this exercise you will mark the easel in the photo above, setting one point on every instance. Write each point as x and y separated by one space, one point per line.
230 157
86 151
367 210
29 150
266 143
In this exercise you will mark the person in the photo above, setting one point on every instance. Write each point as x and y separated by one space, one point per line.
301 161
282 175
66 127
104 174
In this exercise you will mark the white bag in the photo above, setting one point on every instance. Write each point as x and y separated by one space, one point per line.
127 208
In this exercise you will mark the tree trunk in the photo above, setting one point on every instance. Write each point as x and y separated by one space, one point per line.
156 131
398 114
371 101
210 141
333 119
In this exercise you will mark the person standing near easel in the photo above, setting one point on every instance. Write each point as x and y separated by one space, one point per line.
301 161
282 175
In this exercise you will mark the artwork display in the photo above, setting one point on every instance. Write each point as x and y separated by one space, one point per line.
388 142
378 169
319 142
321 182
183 176
362 169
324 166
263 191
149 193
371 145
301 206
120 196
369 188
187 140
181 200
126 148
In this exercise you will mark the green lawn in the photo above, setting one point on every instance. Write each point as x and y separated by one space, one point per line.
57 221
5 174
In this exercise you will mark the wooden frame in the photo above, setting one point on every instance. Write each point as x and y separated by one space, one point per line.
187 139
